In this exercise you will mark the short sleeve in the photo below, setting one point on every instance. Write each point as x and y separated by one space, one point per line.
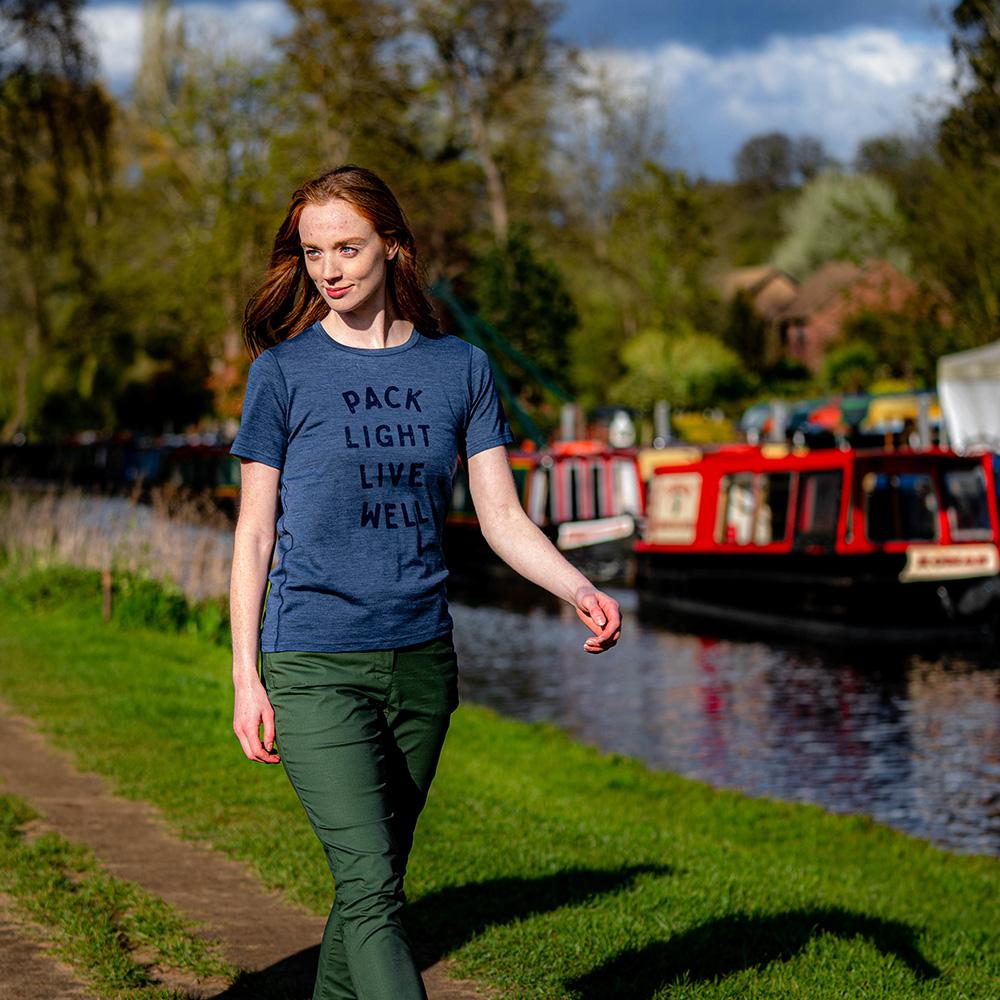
263 432
486 426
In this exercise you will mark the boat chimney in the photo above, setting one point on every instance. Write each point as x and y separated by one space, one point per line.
779 421
661 424
924 420
568 422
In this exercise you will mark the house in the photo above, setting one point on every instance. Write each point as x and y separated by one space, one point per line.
768 288
838 290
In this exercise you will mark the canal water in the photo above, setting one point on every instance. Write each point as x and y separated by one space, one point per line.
910 740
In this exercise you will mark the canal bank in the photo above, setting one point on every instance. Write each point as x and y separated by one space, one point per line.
908 737
542 866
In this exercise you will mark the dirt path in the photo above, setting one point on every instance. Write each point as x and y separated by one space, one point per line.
29 972
260 932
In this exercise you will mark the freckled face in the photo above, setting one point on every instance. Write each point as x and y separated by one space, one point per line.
344 256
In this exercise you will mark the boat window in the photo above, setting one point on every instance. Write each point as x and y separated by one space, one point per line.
521 484
625 485
819 505
552 506
597 489
965 503
461 499
736 508
539 495
900 507
574 485
772 508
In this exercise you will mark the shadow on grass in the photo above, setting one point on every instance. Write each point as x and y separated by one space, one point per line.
445 920
732 944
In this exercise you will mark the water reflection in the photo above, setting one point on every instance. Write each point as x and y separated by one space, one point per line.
909 740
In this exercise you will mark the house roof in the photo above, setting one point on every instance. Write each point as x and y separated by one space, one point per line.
769 287
821 286
750 279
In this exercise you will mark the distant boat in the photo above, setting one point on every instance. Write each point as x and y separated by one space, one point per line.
837 545
584 495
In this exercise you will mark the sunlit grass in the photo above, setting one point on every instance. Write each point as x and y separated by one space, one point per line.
541 866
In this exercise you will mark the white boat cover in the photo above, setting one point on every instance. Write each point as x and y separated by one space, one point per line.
969 391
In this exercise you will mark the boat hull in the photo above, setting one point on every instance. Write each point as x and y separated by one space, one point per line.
832 598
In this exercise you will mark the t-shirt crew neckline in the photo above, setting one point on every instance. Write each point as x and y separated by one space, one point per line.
411 341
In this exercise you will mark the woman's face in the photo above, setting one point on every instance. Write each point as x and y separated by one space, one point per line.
345 257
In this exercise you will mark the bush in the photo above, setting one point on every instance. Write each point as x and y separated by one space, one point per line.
136 600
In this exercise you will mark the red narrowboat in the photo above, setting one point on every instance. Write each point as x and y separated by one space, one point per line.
585 495
833 545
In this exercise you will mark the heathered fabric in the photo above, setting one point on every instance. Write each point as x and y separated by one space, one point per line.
367 441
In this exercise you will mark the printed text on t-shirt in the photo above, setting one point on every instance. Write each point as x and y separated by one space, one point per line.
382 475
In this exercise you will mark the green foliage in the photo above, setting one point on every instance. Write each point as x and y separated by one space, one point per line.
55 133
772 161
136 600
134 230
745 224
841 217
746 332
697 428
523 296
595 349
849 368
904 345
954 236
660 245
971 130
687 369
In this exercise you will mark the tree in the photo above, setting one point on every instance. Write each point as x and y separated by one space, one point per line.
850 367
55 123
524 296
955 228
809 157
746 332
352 71
845 217
686 368
494 60
971 130
766 162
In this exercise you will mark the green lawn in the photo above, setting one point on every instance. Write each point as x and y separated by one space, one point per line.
541 866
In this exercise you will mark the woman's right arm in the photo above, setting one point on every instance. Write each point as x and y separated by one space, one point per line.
253 547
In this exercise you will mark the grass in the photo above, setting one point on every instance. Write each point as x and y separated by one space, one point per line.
542 867
99 924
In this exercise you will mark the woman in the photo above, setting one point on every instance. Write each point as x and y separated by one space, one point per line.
356 411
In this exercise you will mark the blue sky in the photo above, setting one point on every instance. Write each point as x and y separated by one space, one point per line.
719 70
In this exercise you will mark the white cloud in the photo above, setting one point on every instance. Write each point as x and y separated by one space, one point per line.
841 87
247 26
117 31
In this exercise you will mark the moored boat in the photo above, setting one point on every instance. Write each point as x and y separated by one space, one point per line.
836 545
584 495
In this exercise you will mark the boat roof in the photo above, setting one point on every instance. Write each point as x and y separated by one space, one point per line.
778 457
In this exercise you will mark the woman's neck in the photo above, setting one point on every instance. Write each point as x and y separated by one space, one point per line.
375 328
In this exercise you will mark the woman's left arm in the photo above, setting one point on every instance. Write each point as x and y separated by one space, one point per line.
520 543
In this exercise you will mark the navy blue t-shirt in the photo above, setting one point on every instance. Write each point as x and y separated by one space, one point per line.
367 441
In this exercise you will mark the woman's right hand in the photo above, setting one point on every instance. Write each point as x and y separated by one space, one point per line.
251 710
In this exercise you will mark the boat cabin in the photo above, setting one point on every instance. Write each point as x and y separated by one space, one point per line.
772 535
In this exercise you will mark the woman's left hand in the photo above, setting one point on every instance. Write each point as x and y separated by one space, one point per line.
601 614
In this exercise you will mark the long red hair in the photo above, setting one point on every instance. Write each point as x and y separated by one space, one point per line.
287 302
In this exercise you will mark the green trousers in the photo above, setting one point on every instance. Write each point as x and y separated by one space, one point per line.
360 734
